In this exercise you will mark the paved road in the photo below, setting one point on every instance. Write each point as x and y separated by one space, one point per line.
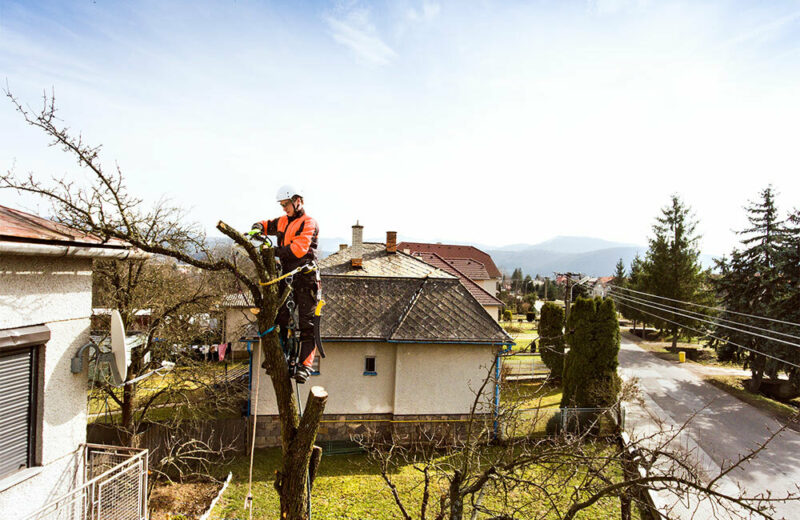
723 429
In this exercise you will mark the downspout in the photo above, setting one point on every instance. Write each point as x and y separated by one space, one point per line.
499 355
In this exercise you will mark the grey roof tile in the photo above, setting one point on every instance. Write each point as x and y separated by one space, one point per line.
376 262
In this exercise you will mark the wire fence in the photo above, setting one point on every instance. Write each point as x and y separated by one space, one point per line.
114 487
552 421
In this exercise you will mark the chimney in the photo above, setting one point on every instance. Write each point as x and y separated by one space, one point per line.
342 247
391 242
358 240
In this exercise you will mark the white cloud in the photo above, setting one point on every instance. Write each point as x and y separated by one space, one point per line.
426 13
353 28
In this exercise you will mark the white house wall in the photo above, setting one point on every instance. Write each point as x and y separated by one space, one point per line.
440 379
412 379
489 286
236 321
56 292
342 375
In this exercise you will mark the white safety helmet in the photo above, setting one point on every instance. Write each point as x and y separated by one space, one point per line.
287 191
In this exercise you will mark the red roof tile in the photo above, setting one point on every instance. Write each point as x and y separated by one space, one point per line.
448 251
478 292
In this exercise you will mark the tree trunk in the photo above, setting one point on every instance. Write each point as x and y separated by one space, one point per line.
456 500
675 337
757 370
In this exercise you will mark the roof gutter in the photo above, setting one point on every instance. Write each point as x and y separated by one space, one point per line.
29 249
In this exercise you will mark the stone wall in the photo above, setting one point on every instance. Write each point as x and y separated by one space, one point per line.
407 429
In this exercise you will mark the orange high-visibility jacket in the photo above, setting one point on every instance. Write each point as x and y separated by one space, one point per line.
297 239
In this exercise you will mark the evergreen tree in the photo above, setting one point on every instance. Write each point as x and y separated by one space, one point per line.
635 281
750 283
516 279
787 305
619 274
672 269
590 374
551 344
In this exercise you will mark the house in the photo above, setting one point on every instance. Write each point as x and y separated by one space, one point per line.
45 311
490 303
600 285
407 346
470 260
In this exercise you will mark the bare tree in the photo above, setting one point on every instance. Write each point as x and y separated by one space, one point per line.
106 209
560 475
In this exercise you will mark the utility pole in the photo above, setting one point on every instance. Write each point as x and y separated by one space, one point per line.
546 283
568 293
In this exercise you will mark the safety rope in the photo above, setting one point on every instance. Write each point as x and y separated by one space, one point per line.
309 268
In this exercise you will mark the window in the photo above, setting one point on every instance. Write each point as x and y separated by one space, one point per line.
369 366
315 365
19 389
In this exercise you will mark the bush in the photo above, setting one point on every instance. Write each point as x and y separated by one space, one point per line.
507 315
590 376
530 316
551 345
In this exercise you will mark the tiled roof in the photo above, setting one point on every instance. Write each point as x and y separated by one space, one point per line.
448 251
431 310
472 268
478 292
382 308
23 227
376 262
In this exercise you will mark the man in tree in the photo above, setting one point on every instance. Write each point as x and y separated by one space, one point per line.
297 246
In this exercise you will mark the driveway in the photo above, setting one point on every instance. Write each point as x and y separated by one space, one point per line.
723 429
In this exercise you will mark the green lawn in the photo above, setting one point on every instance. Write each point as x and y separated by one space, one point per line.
350 487
734 385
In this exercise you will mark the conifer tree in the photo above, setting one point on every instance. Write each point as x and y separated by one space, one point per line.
590 374
750 283
787 305
672 269
619 274
635 281
551 344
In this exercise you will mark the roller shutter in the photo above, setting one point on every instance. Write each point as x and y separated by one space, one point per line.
17 369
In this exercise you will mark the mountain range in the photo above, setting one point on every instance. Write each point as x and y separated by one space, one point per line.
588 255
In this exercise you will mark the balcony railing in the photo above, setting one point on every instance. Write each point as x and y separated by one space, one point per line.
114 487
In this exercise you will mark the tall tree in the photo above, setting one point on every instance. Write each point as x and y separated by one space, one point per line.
619 274
551 343
107 209
629 309
787 304
750 283
516 279
672 269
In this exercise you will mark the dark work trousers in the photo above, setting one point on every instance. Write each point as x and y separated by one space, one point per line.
305 295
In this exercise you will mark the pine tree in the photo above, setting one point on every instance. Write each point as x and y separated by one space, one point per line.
750 283
619 274
516 279
787 305
551 344
672 269
635 281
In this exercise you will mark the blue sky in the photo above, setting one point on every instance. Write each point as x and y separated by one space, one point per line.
452 121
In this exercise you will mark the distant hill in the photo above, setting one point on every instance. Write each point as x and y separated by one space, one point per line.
590 256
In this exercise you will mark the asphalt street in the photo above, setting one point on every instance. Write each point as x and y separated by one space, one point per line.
723 428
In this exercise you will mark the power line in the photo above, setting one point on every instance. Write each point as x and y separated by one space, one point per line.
720 309
655 306
710 335
699 316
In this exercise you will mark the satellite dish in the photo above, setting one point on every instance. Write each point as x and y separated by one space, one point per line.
119 349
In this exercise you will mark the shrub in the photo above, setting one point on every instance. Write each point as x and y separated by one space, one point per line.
507 315
551 345
530 316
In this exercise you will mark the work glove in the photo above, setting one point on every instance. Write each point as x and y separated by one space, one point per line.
258 227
